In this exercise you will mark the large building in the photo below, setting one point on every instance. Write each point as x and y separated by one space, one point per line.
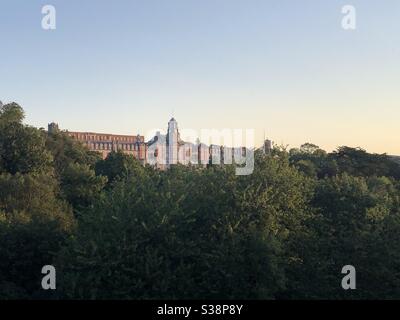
161 151
104 143
169 149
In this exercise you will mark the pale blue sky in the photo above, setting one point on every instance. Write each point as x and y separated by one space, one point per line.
285 66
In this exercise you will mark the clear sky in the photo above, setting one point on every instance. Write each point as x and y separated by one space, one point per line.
283 66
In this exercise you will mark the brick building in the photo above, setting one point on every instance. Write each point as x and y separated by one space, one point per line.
104 143
161 151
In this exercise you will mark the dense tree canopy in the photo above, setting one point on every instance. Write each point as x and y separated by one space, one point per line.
115 229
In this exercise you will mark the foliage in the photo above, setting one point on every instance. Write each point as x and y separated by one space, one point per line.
116 166
186 233
33 224
116 229
22 148
80 185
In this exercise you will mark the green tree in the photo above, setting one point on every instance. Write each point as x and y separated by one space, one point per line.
33 225
22 148
80 185
356 218
117 166
357 162
11 113
67 151
74 167
188 233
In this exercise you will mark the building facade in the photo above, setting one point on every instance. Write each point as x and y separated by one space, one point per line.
105 143
161 151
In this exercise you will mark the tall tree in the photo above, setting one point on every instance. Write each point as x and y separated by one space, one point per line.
22 148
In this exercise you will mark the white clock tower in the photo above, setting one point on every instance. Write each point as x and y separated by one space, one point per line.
172 142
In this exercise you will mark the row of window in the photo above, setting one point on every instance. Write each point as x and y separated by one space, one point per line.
104 138
109 146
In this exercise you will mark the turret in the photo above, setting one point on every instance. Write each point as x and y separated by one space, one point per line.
52 127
